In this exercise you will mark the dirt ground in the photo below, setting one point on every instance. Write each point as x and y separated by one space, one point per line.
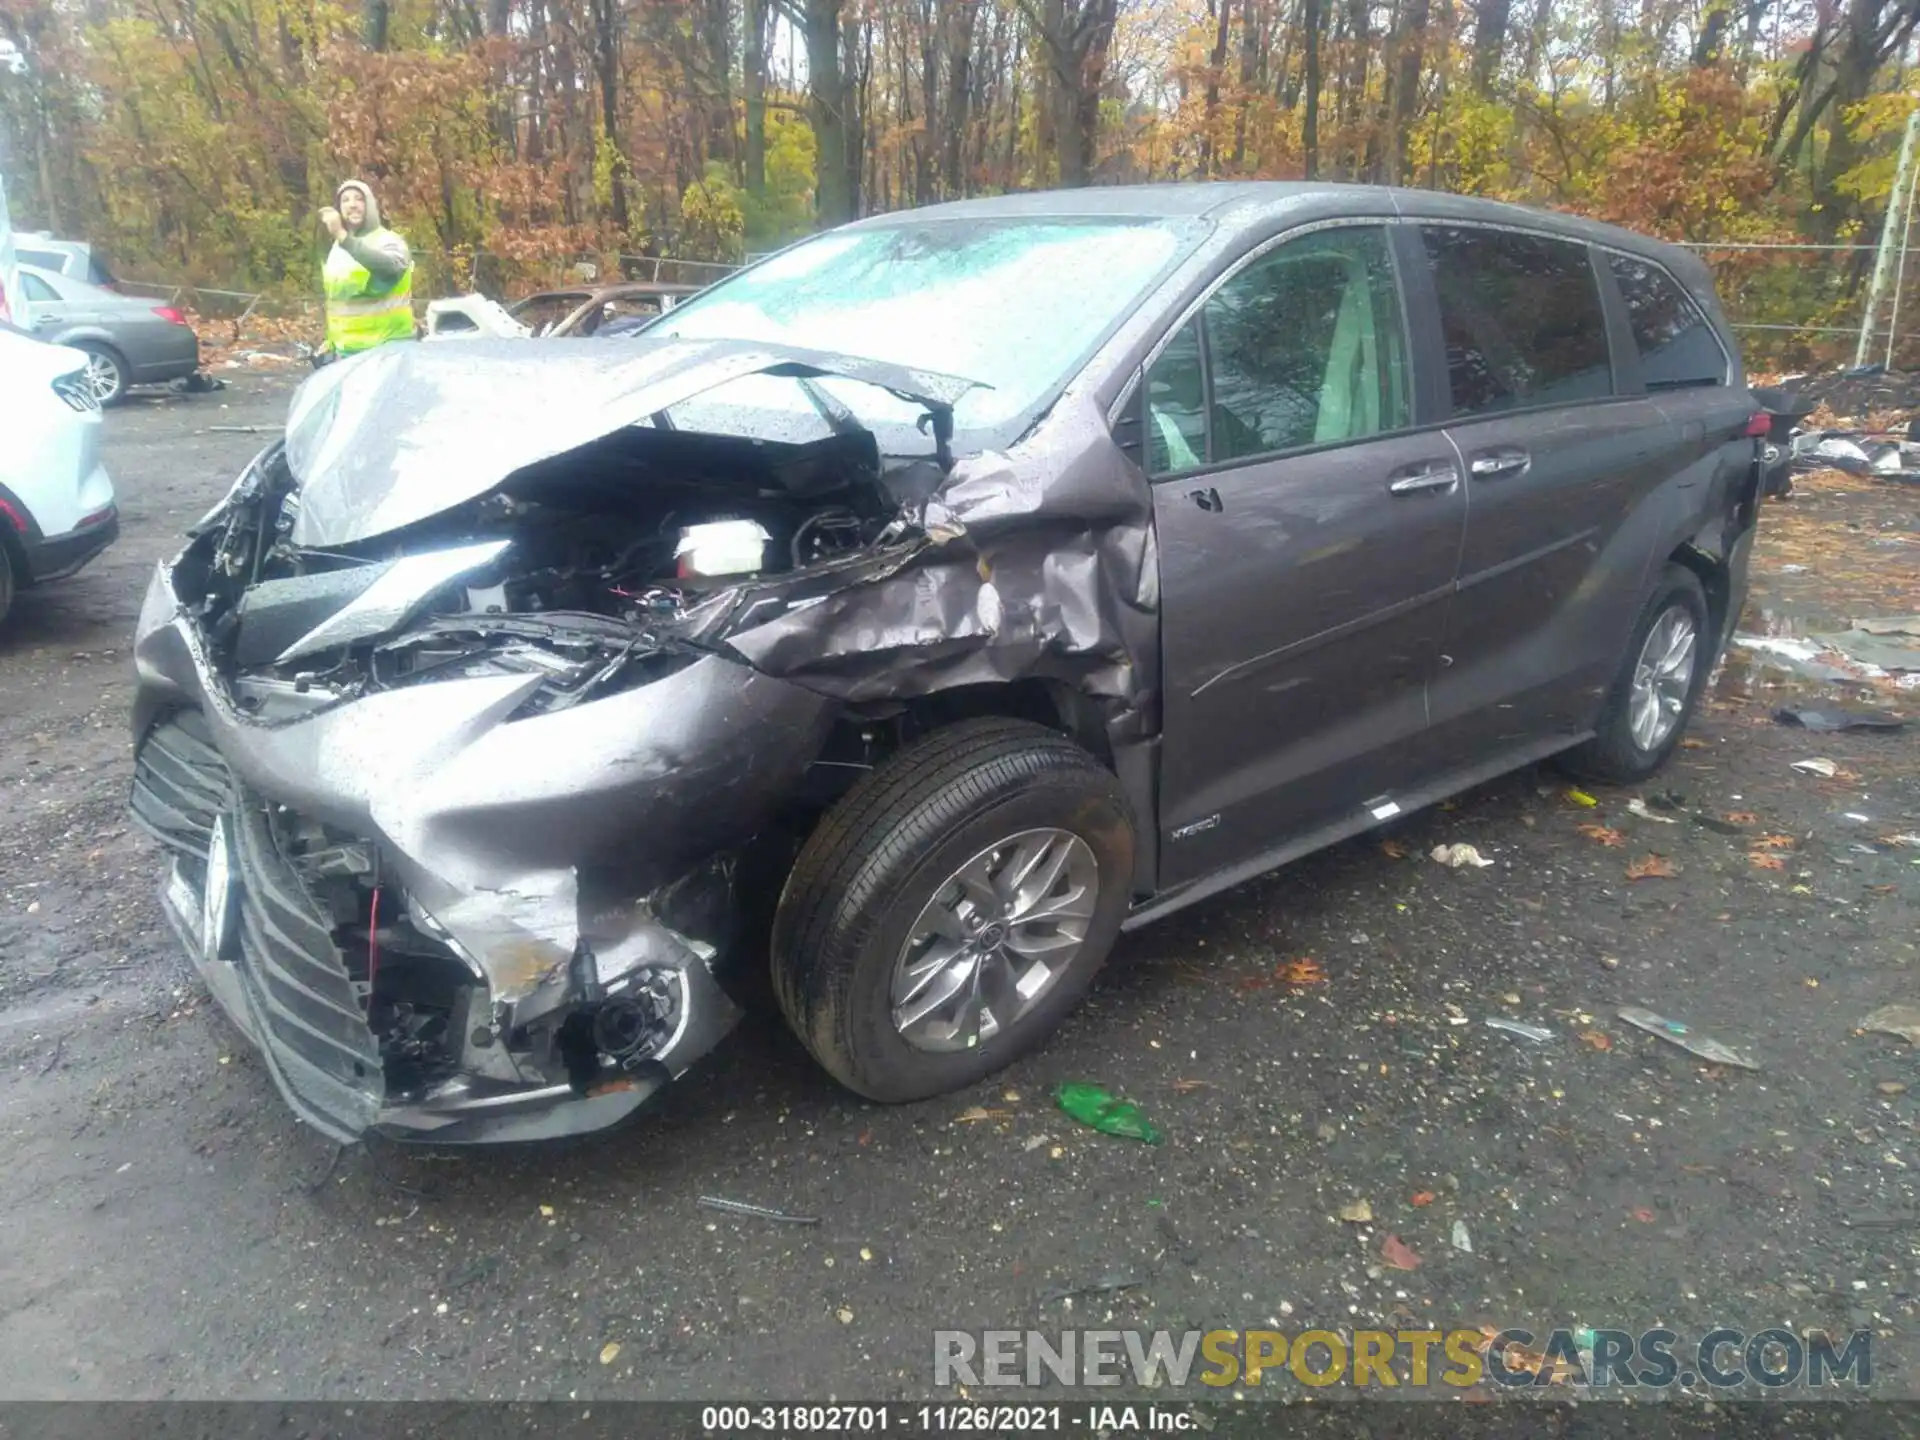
171 1232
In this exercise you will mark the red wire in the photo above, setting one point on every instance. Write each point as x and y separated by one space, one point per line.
373 943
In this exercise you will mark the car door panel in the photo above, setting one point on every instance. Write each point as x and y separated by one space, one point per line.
1556 463
1548 570
1303 594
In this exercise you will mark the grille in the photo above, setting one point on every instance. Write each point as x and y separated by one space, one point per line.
77 391
293 979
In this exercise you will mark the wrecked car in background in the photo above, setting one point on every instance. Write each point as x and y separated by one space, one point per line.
914 611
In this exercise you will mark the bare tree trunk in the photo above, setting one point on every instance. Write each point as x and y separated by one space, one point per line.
1216 63
1489 37
1252 29
959 46
1310 97
835 190
1410 52
607 28
754 81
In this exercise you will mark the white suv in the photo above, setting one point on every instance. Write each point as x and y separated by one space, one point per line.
56 502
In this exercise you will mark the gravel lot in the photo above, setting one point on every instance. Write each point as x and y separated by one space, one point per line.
171 1232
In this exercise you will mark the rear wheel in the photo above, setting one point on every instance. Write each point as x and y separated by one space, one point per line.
1654 695
106 371
951 910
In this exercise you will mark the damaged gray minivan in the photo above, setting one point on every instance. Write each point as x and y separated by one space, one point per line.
918 609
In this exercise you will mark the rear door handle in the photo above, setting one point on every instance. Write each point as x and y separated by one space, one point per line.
1431 475
1498 463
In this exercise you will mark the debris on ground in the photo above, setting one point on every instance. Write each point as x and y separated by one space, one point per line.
1462 1241
974 1114
1108 1284
1891 1087
1596 1039
1820 766
1676 1033
1536 1033
1397 1253
1358 1213
1652 867
753 1212
1637 806
1901 1020
1421 1199
1099 1109
1580 797
1602 834
1459 856
1879 456
1887 642
609 1352
1808 717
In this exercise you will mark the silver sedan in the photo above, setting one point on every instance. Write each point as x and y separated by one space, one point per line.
128 341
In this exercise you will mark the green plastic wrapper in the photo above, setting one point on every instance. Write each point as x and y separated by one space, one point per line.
1097 1108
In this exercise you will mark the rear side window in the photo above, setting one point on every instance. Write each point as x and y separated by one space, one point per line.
38 289
1677 346
1522 319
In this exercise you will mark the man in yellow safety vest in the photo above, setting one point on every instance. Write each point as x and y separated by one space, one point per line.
368 275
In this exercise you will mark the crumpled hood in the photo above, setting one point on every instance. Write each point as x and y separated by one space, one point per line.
404 432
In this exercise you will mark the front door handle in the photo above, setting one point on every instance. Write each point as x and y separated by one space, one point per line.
1441 475
1498 463
1207 499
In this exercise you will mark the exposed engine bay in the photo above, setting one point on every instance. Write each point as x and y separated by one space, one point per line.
593 569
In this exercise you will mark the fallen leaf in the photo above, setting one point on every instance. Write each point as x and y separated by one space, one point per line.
1598 1039
973 1114
1187 1087
1743 817
1775 842
1304 971
1421 1199
1253 982
1604 834
609 1352
1760 860
1358 1213
1643 1215
1398 1254
1651 867
1393 850
1692 744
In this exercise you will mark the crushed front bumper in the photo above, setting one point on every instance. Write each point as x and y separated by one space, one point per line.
474 829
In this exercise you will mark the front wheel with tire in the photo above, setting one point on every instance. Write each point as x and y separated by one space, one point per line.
952 908
1659 683
106 372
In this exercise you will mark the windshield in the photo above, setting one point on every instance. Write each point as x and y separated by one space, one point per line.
1017 305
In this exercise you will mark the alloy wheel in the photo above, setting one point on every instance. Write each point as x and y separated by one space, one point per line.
996 936
1663 678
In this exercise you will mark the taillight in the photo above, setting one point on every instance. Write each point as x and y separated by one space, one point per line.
1760 424
13 517
169 314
